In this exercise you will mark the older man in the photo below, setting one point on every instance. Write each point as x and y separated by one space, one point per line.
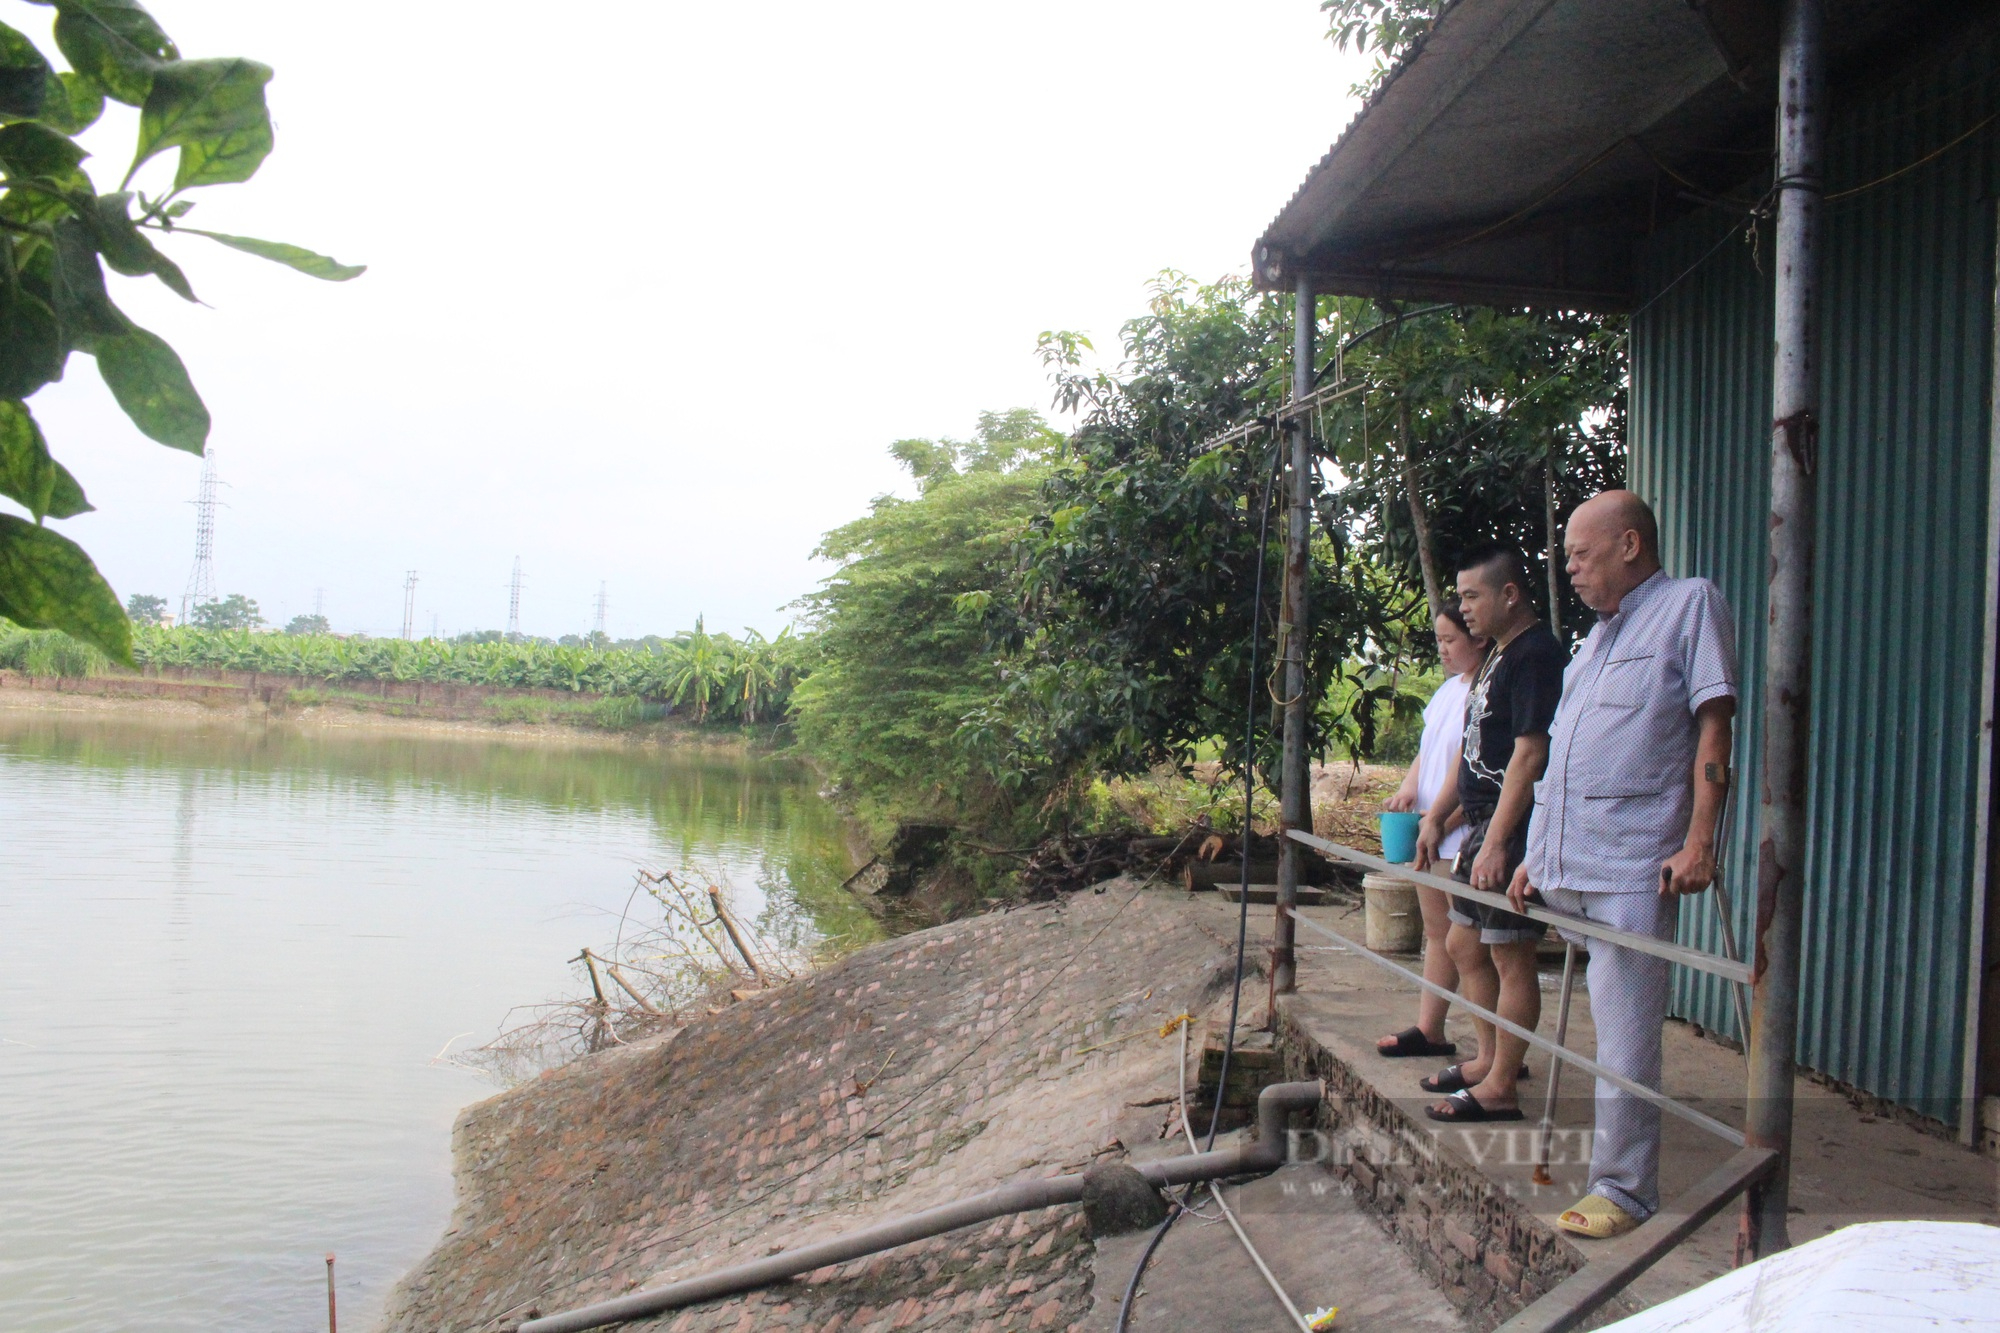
1626 812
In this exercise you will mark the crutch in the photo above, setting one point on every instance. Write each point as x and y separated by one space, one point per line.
1738 991
1546 1132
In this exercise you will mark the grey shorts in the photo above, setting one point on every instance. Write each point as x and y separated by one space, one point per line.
1496 925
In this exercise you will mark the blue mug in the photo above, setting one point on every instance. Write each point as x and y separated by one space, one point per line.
1399 835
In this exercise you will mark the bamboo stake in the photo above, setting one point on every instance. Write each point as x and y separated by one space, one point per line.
626 986
735 936
589 960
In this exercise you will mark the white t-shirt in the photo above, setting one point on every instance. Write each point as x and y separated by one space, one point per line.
1444 728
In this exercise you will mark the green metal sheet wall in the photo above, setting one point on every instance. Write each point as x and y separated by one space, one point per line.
1902 579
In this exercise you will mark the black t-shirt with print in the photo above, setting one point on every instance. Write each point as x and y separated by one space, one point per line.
1515 694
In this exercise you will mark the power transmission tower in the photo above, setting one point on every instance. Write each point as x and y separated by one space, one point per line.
319 602
409 603
434 626
514 603
597 631
201 579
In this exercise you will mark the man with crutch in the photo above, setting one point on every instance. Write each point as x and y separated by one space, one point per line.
1626 813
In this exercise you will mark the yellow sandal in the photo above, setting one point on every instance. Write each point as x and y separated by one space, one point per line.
1597 1218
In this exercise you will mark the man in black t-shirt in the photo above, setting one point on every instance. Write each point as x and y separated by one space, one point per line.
1507 717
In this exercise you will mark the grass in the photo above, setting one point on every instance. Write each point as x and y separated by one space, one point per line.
48 653
618 712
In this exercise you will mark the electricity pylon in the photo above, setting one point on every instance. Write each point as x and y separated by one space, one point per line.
409 603
201 579
514 604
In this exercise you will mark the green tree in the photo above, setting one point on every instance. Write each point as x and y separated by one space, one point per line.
308 625
909 634
58 234
143 609
1141 568
232 612
697 669
1389 28
1475 426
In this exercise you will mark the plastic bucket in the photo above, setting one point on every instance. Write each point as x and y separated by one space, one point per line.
1395 923
1399 835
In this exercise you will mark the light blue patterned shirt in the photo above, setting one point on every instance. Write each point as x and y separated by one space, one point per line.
1618 792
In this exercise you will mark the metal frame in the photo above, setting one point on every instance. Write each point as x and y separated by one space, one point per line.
1698 959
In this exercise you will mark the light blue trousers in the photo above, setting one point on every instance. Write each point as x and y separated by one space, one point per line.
1628 1005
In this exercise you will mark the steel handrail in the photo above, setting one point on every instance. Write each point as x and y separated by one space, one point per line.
1698 959
1583 1062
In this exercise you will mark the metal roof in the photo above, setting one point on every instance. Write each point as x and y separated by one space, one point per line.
1520 152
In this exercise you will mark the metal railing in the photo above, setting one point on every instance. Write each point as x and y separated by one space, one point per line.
1698 959
1614 1264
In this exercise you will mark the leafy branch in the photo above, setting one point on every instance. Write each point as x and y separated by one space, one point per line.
58 235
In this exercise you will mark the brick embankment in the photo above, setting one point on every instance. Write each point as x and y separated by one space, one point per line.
911 1073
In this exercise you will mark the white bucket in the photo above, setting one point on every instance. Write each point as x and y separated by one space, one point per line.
1395 922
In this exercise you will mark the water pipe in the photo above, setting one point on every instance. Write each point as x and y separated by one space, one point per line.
1266 1153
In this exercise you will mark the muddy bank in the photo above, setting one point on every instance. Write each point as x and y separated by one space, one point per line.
911 1073
397 706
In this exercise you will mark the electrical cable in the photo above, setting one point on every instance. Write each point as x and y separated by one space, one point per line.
1249 789
1243 903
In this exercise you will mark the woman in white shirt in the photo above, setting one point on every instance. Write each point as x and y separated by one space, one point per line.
1437 764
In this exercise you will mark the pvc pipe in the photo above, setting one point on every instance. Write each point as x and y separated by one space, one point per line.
1274 1104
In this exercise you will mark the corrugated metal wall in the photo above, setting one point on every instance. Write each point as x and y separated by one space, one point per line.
1901 579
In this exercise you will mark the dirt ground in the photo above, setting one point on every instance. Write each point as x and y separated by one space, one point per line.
1347 797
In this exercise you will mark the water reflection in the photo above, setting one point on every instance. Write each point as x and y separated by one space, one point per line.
228 954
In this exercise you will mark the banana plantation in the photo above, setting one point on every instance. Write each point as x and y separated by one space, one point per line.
709 677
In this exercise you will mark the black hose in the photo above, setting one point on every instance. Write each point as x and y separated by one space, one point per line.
1243 906
1132 1288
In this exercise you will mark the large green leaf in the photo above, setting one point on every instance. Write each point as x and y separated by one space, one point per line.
29 149
72 103
47 582
27 473
116 43
76 284
126 248
24 75
214 112
298 257
31 352
151 384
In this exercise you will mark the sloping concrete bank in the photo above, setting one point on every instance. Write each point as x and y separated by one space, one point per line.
909 1074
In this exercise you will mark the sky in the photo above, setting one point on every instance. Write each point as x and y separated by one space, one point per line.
653 286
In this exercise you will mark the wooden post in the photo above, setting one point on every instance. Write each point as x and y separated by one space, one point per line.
596 986
735 935
332 1314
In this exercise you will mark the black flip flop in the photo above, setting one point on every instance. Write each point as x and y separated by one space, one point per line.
1462 1108
1412 1041
1452 1079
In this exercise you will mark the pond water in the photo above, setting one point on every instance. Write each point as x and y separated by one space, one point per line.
230 953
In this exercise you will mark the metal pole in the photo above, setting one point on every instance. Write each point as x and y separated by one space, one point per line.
1781 846
332 1313
1294 787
